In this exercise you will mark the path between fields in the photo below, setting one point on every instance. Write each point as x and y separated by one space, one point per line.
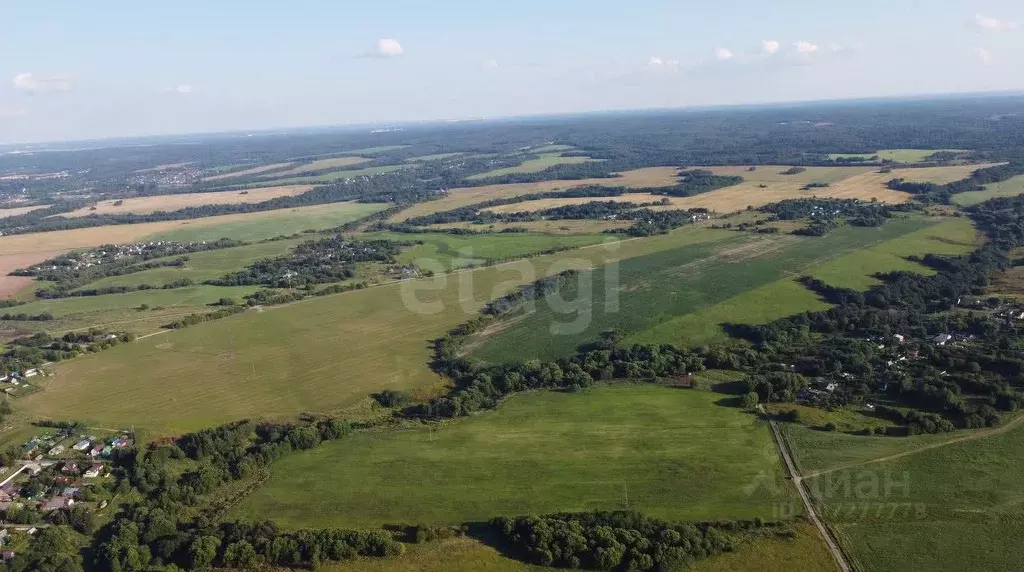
798 482
972 436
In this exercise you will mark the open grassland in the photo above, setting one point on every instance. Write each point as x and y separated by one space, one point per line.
326 354
1008 188
437 157
321 164
375 150
18 211
544 226
954 507
953 236
247 172
247 226
122 311
897 155
167 167
550 148
284 222
167 203
541 204
544 161
805 553
444 252
452 555
203 265
670 453
643 293
786 297
639 178
324 179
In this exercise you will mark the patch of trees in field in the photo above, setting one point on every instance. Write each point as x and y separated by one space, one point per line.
943 194
826 214
32 351
321 261
621 540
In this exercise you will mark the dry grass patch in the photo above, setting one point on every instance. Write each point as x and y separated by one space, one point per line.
11 285
321 164
252 171
636 179
167 203
18 211
541 204
167 167
544 226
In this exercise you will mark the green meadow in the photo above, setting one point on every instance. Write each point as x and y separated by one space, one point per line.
897 155
544 161
284 222
648 299
671 453
1008 188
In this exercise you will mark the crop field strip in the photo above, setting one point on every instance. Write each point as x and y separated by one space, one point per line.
321 164
168 203
247 172
661 287
897 155
606 448
18 211
1008 188
331 177
326 354
461 197
545 161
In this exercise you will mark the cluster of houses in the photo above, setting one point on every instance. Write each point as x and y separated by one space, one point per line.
17 378
57 446
64 487
73 262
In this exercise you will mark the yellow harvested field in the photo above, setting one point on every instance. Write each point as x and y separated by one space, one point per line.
57 241
10 285
252 171
544 226
636 179
167 203
321 164
541 204
167 167
17 211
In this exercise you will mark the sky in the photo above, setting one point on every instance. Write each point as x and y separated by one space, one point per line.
80 70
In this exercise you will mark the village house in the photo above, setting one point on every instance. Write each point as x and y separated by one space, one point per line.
6 554
97 450
30 373
94 471
57 503
81 445
941 339
56 450
899 338
69 468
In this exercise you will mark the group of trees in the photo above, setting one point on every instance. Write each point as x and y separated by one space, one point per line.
320 261
943 194
619 540
32 351
825 214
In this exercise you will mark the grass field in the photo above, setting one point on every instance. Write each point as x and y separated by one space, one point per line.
668 452
453 555
545 226
146 205
18 211
331 177
544 161
655 293
120 311
540 204
203 265
167 167
1008 188
375 150
639 178
897 155
437 157
805 553
321 164
326 354
955 507
246 172
443 252
282 222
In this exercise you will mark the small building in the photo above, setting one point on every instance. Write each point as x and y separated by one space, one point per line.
870 407
70 492
5 496
5 377
94 471
56 450
33 468
30 373
70 467
97 450
6 555
941 339
107 451
81 445
899 338
57 503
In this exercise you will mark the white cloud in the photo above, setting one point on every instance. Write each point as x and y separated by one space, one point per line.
984 56
989 23
659 63
805 47
33 83
184 89
723 54
12 113
388 48
491 64
769 46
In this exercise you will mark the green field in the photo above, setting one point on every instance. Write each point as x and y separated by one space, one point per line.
203 265
955 507
283 222
668 452
120 311
374 150
545 161
653 291
442 251
437 157
897 155
326 354
1008 188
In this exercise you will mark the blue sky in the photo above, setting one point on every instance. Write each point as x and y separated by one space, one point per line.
71 69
